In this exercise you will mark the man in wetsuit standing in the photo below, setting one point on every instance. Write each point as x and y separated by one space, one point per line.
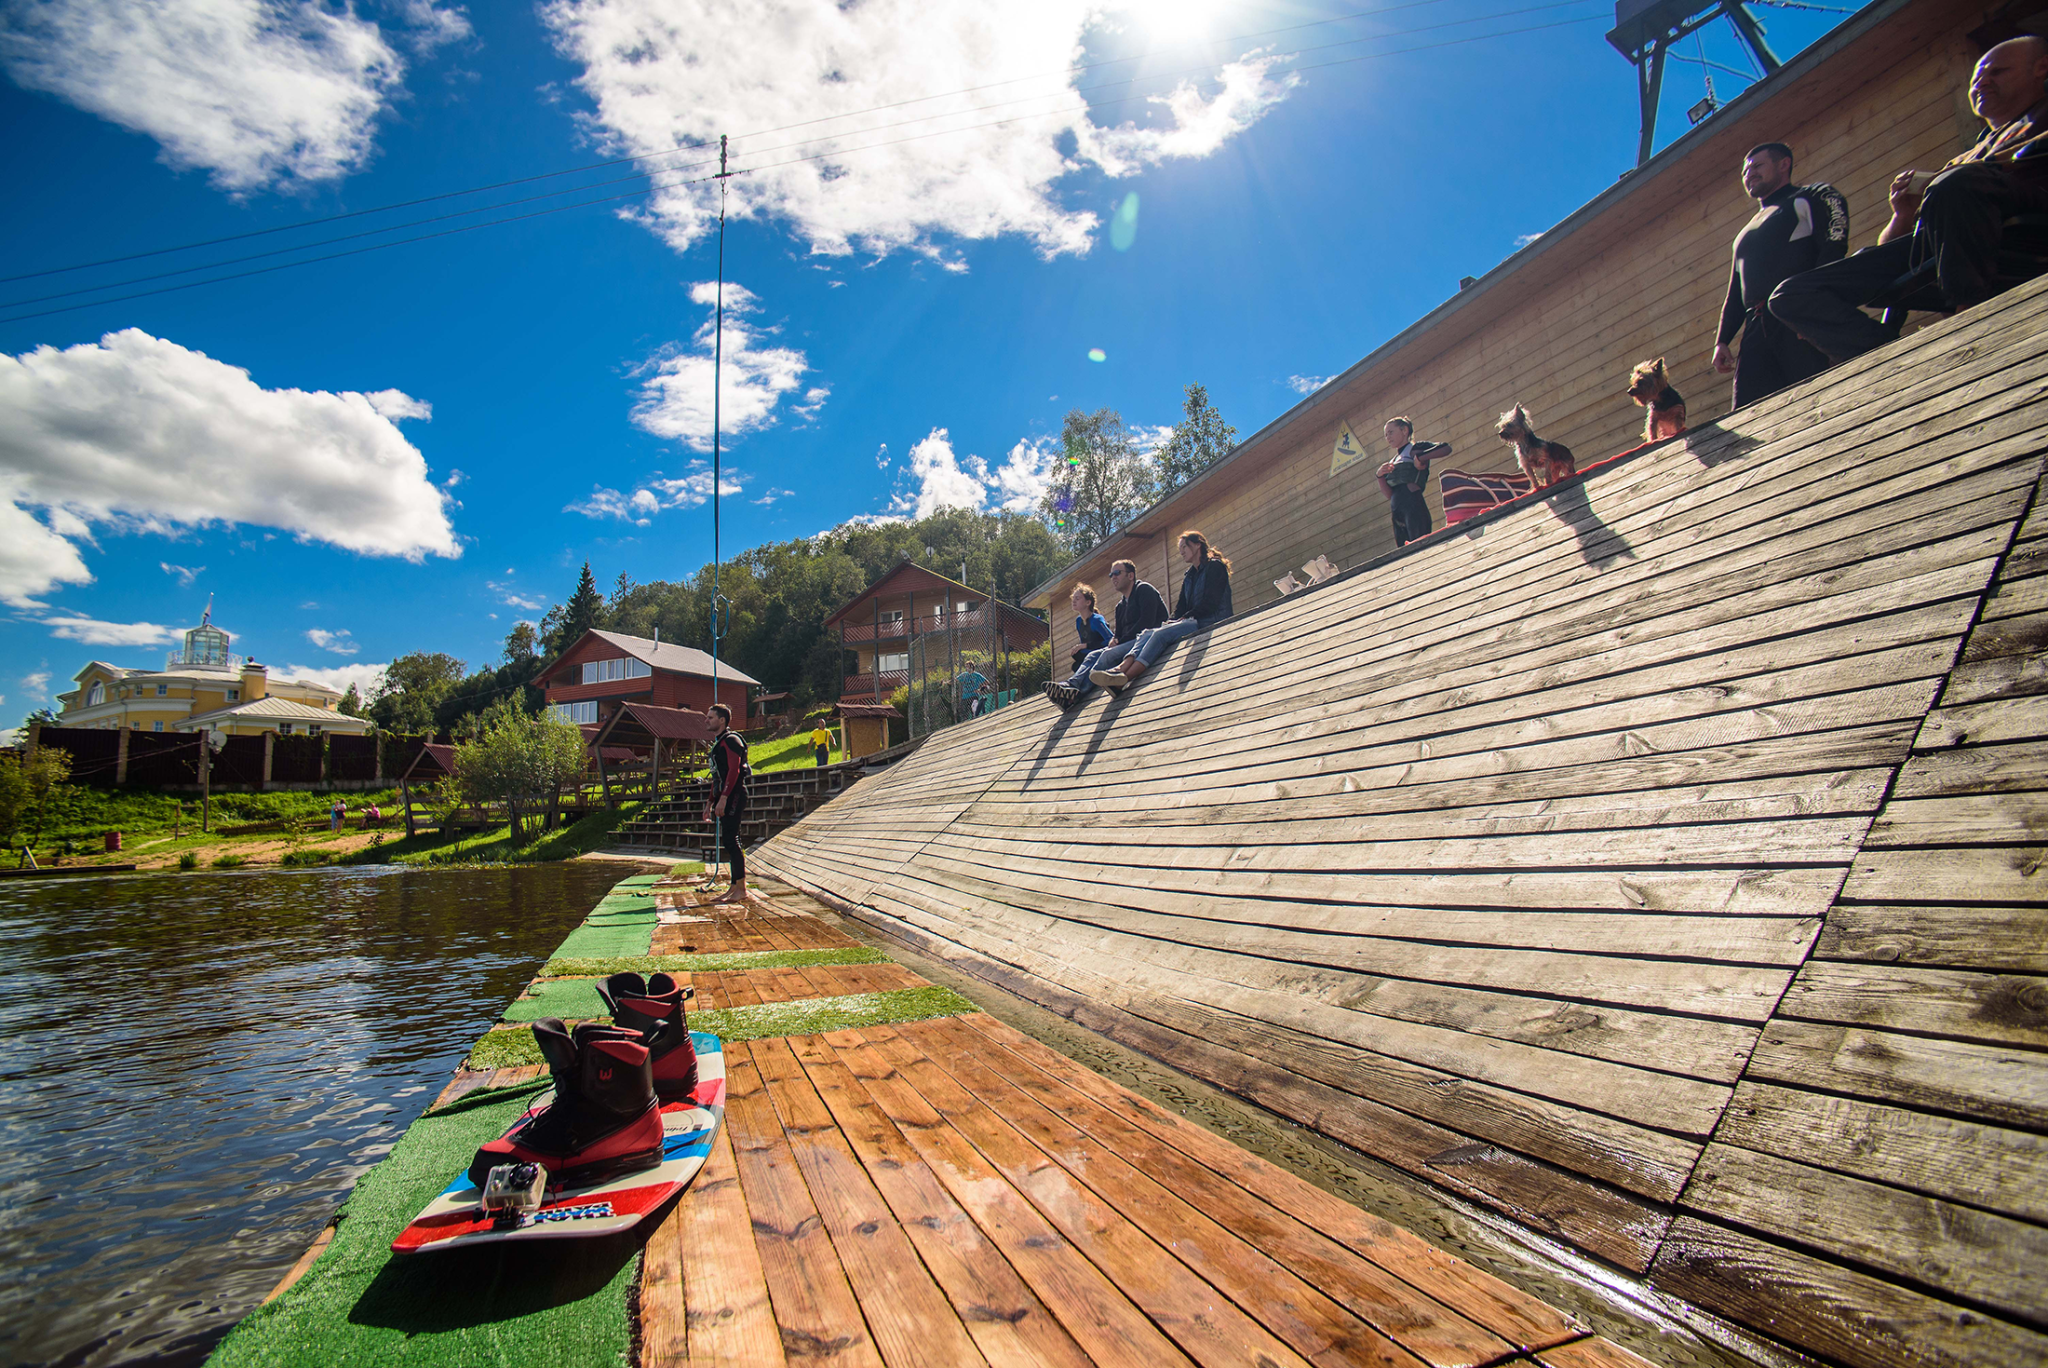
1795 229
726 804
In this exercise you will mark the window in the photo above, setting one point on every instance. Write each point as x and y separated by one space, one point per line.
161 691
158 727
284 729
605 671
234 695
96 695
575 712
312 729
888 663
892 615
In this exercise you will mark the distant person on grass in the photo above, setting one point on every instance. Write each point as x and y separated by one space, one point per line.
727 803
1140 608
821 743
1204 601
1089 628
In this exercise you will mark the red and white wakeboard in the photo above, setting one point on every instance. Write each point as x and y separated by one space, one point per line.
456 1218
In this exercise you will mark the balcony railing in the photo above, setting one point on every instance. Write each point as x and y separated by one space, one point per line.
973 620
864 685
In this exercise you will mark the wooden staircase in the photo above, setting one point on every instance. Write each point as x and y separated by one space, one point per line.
674 822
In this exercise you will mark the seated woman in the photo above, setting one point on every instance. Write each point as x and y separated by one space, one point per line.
1204 601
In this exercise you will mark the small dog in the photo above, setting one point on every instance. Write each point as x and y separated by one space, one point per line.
1664 407
1545 463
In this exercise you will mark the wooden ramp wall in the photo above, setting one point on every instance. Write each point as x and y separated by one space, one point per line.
1658 865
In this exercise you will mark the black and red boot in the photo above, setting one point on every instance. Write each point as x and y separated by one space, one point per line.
604 1119
653 1007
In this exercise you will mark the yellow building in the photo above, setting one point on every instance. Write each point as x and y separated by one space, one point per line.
203 687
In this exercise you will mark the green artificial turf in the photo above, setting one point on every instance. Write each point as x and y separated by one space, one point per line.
639 880
813 1016
552 1304
711 964
568 998
621 936
806 1016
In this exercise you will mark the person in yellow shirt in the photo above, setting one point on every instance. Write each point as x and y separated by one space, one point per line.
821 743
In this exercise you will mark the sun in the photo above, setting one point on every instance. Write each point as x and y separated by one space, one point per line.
1165 20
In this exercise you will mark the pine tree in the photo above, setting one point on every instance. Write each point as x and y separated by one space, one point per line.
1200 440
351 704
579 615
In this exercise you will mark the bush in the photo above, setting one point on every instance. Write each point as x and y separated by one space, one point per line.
305 857
189 860
231 862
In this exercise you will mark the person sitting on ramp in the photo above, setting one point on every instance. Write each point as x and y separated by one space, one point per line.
1140 608
1204 601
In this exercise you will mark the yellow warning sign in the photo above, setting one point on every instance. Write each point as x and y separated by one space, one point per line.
1348 451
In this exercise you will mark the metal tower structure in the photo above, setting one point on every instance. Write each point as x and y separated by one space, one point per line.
1645 30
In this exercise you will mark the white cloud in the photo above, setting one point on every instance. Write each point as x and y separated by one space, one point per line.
1307 384
772 495
145 435
511 599
944 480
397 405
366 678
259 92
93 632
337 642
185 573
1525 239
667 72
34 560
675 400
688 491
37 682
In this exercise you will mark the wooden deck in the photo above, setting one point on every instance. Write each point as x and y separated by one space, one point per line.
952 1192
1660 865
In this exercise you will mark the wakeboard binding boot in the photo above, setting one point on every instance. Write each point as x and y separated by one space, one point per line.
653 1009
604 1119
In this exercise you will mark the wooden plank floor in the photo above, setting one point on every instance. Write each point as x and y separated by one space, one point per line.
1660 864
952 1192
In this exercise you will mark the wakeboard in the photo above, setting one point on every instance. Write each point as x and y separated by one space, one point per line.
456 1218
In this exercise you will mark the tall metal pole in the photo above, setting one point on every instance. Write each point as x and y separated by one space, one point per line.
717 380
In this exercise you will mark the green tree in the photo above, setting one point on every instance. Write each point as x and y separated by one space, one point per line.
1103 484
25 788
351 704
522 761
413 689
522 642
584 610
1199 440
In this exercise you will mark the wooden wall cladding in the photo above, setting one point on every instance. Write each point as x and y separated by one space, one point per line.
1656 864
1641 275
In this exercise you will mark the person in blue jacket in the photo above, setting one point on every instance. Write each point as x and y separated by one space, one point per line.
1089 627
1204 601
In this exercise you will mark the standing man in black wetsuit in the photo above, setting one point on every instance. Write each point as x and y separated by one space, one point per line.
1796 228
726 804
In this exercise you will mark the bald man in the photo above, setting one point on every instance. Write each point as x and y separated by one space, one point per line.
1953 217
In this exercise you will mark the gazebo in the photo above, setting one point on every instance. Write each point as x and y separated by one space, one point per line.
638 728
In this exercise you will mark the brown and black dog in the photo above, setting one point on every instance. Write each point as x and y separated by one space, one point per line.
1664 406
1545 463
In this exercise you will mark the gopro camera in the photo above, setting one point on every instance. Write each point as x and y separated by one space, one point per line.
514 1190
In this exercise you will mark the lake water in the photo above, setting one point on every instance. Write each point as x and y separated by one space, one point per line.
197 1067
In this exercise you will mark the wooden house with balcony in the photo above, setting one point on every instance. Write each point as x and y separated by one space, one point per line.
912 612
601 671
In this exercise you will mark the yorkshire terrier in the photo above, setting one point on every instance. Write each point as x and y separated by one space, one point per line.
1664 407
1545 463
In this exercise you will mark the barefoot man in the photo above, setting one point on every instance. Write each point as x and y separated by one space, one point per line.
728 800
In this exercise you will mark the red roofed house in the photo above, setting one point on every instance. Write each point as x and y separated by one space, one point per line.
879 623
602 670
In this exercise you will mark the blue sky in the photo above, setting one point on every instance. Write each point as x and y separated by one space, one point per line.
430 439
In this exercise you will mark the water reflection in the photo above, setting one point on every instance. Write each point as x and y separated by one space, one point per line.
197 1068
